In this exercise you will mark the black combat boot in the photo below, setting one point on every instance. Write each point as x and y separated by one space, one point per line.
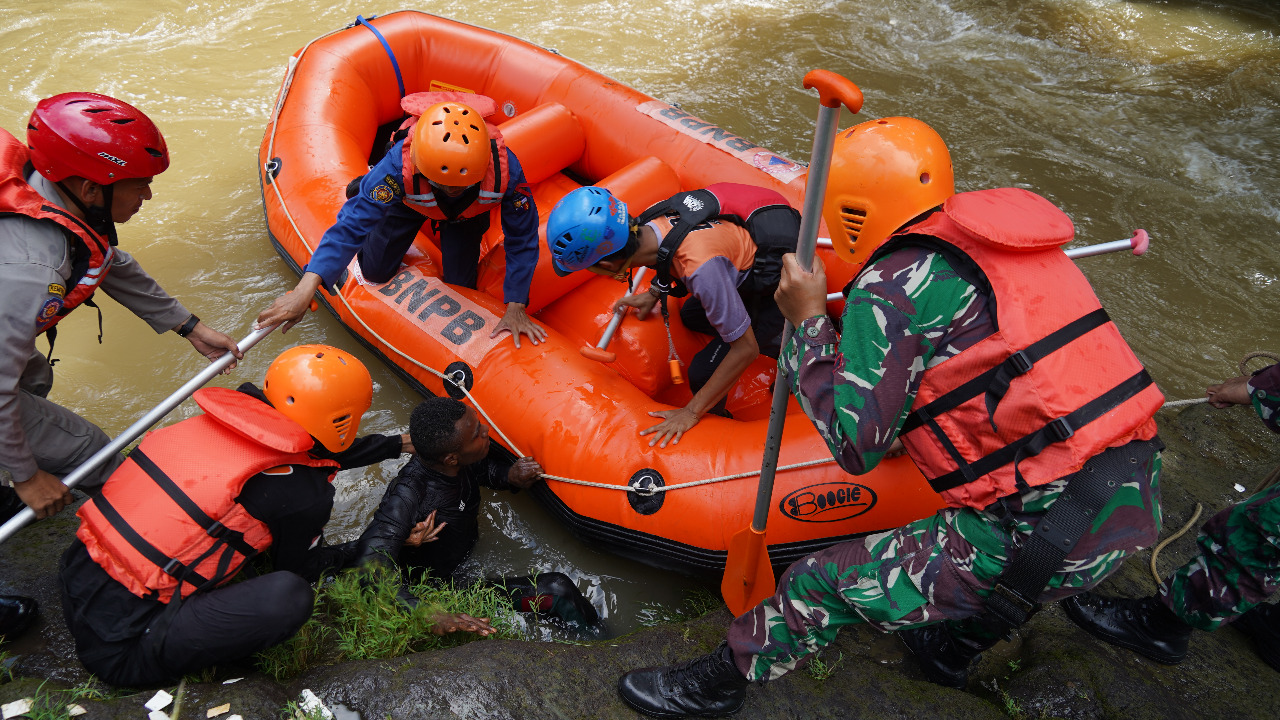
944 658
1262 624
1142 625
709 686
16 614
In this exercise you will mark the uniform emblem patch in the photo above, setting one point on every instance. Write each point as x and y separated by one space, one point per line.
381 194
523 194
57 290
49 310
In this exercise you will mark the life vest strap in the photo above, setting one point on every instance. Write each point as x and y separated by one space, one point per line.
171 566
995 381
212 528
1032 444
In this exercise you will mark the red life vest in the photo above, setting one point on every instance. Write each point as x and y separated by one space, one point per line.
419 194
1054 385
168 518
96 253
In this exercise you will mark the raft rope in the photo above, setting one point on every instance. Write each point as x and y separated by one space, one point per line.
1183 531
1267 482
645 491
1244 370
360 20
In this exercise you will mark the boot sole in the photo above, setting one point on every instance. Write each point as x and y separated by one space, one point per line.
1143 650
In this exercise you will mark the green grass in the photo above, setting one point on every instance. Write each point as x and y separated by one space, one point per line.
820 669
357 617
55 704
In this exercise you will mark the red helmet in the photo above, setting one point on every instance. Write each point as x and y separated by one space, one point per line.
94 137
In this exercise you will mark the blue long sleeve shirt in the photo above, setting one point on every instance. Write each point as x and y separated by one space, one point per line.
361 213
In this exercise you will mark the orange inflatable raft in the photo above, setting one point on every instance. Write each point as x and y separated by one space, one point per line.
676 507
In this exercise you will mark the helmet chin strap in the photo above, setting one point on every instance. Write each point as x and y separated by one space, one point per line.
96 217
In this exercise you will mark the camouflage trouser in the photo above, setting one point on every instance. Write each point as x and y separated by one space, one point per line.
939 568
1238 566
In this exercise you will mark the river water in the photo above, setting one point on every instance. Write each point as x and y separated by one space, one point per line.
1128 114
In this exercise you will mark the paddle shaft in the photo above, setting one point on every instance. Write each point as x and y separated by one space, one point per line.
824 138
1137 244
618 314
143 423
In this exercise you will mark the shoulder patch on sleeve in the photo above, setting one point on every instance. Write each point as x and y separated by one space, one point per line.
49 310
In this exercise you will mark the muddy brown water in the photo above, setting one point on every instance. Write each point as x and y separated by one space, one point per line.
1159 115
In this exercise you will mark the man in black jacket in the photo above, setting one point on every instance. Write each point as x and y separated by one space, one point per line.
428 518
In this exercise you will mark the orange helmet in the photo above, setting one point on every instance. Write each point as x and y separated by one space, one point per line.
451 145
883 174
323 389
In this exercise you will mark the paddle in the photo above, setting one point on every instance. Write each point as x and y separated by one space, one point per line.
748 574
1138 244
600 352
135 430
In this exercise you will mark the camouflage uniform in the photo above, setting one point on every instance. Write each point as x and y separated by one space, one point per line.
1239 562
909 311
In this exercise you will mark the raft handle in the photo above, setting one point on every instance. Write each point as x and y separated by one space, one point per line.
272 168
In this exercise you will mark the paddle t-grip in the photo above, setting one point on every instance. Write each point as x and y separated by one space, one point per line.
598 354
834 90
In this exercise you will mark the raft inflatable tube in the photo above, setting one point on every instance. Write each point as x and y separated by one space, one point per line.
674 508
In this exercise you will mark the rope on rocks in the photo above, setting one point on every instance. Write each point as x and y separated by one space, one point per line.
1183 531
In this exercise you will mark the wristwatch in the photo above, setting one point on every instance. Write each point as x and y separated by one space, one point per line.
187 327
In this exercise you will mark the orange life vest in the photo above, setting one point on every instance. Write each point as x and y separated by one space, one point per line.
419 194
1054 385
93 253
167 518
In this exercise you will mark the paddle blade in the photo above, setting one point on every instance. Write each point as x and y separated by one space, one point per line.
748 575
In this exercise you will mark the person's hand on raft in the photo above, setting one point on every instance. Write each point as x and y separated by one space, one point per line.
517 322
1229 392
445 623
425 531
525 473
675 423
801 295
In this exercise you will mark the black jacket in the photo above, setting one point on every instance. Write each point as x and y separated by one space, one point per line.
415 492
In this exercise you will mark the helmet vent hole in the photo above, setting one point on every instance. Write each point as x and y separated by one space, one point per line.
122 121
594 211
446 136
154 152
289 400
466 140
925 178
319 355
437 122
342 360
463 171
853 219
95 111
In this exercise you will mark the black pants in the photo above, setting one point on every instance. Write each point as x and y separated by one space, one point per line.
208 628
387 243
766 324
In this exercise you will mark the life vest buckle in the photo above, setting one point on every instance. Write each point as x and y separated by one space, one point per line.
1060 429
1020 363
216 530
173 568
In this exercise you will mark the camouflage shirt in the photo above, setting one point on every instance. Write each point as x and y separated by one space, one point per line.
1264 392
909 311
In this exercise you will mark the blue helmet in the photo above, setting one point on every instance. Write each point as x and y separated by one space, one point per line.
586 225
